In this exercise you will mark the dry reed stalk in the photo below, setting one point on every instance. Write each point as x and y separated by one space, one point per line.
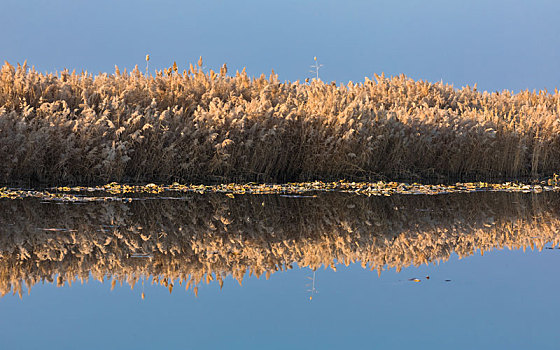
202 127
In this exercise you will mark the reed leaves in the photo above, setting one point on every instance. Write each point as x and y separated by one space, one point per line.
202 127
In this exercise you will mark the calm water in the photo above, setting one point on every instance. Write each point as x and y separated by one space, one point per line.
257 265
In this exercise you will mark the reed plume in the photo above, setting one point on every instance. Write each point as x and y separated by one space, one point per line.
193 126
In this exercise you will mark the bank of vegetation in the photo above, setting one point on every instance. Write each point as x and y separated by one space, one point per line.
196 126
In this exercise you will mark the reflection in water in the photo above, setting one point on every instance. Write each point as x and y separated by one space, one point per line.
312 290
205 238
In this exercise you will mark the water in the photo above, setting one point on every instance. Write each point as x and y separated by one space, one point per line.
56 256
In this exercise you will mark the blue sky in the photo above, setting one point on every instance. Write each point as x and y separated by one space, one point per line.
498 44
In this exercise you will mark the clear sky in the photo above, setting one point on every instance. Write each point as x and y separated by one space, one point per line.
499 44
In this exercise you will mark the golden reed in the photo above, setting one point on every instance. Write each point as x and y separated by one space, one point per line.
195 126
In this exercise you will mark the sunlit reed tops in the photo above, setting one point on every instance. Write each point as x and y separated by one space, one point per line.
210 127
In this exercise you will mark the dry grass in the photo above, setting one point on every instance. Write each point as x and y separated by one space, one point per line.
207 126
213 236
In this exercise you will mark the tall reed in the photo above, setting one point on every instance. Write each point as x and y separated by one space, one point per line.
196 126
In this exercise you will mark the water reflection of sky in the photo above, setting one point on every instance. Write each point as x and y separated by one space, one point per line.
504 299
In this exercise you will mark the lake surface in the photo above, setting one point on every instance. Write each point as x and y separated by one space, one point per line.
333 270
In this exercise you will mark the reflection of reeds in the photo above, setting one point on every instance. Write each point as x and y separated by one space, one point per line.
208 237
196 126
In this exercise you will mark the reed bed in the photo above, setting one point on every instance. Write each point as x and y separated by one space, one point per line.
196 126
210 237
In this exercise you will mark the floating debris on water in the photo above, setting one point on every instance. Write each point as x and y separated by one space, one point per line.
140 256
123 192
58 230
296 196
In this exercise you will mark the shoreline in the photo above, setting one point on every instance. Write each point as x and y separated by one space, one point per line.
128 193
